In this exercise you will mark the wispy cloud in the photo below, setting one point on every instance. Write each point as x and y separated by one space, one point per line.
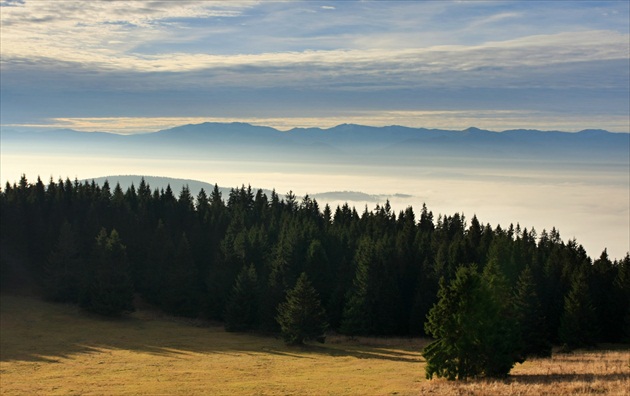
387 65
249 57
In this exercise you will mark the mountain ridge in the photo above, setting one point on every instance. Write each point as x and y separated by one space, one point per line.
344 143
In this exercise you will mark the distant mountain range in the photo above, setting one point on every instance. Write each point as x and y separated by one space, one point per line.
347 143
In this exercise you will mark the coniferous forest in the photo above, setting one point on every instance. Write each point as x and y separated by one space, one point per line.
238 259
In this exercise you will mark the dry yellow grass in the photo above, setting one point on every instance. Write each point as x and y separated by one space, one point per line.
581 373
50 349
54 349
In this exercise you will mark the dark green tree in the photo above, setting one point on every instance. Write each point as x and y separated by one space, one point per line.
578 322
301 317
61 274
180 294
241 311
500 341
469 321
530 316
107 288
373 302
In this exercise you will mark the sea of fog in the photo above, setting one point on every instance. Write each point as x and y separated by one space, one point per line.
589 204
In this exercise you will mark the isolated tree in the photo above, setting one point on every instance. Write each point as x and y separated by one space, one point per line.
301 317
475 336
241 311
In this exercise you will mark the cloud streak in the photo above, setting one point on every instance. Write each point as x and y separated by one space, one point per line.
300 56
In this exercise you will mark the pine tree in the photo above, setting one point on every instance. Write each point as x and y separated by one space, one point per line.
471 321
61 274
532 325
107 289
241 312
301 316
577 325
500 340
180 295
357 312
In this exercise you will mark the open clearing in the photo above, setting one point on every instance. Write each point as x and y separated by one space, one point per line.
50 349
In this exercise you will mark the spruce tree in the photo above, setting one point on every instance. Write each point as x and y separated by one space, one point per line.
500 339
180 294
301 317
61 274
530 316
241 312
107 288
476 335
577 325
357 312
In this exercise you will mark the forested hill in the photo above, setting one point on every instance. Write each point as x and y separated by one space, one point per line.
233 258
162 183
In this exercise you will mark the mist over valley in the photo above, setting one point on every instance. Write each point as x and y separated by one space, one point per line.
575 182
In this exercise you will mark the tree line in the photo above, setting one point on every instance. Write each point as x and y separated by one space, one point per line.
374 272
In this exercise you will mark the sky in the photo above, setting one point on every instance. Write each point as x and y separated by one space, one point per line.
139 66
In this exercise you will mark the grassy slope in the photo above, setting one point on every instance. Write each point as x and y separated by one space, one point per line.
54 349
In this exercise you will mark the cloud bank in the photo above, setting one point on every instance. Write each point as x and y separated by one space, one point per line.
142 59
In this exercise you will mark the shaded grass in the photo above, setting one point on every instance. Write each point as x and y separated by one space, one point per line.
55 349
50 349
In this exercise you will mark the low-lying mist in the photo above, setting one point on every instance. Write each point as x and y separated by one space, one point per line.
586 202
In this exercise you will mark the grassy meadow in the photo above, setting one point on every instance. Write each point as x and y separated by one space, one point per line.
49 349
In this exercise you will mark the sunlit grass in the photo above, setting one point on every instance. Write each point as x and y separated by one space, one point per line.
50 349
581 373
54 349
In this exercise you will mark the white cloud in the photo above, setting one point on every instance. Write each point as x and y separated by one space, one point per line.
142 52
412 63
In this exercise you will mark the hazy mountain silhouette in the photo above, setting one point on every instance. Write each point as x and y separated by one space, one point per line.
346 143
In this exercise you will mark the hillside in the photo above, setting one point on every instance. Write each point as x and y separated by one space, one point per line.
157 182
43 345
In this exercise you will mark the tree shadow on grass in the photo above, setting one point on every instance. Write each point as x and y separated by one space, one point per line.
32 330
365 352
552 378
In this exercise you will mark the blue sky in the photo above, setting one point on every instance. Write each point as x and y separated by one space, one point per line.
146 65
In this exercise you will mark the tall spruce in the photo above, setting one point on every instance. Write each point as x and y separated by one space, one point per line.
241 312
180 294
107 288
578 322
301 317
530 316
474 331
62 273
